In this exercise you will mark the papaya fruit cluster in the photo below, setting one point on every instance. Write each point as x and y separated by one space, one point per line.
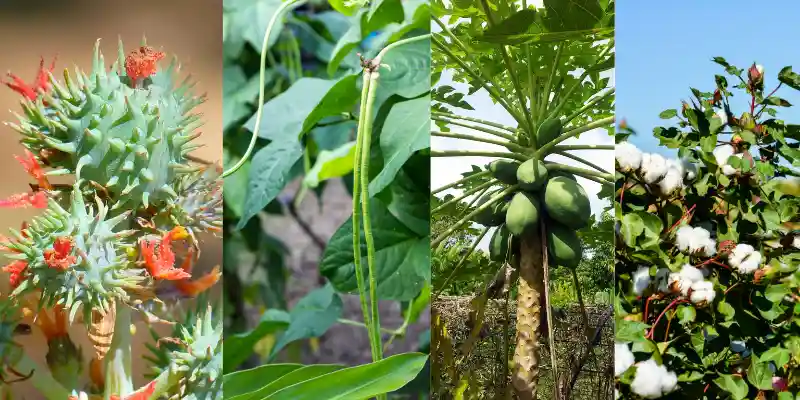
552 197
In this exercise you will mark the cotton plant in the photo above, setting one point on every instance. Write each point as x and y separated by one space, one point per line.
707 254
115 244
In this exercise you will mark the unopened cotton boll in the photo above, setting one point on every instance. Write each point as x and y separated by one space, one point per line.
652 380
653 168
623 358
641 280
702 291
760 69
628 156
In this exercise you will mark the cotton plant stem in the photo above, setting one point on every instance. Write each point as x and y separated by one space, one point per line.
509 137
468 153
357 192
366 133
510 146
475 212
476 120
282 9
546 149
461 181
40 378
119 369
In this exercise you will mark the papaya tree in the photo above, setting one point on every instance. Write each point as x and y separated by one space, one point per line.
708 248
547 68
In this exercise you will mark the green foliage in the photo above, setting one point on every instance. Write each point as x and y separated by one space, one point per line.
732 323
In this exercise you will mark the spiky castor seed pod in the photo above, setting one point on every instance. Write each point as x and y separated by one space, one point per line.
98 273
198 206
199 359
128 135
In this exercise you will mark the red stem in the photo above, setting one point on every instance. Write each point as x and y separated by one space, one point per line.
687 213
670 305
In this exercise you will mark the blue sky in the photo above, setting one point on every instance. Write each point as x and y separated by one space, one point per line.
664 48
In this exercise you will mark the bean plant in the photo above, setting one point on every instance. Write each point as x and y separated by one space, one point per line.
545 67
340 91
707 246
117 242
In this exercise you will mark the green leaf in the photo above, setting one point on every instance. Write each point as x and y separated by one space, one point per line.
247 381
777 354
733 384
667 114
347 7
630 331
311 317
789 78
298 376
759 374
239 347
408 200
408 73
776 101
360 382
331 164
402 258
269 170
247 20
284 116
344 46
686 314
341 98
406 129
632 227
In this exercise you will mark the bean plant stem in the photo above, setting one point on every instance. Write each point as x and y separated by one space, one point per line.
460 181
282 9
474 212
506 136
467 153
364 175
476 120
350 322
510 146
359 269
545 150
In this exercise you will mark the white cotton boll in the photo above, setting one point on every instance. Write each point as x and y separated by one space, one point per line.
623 358
695 241
722 115
652 380
744 258
683 237
760 69
691 273
628 156
796 242
689 170
751 263
727 170
641 280
723 153
654 167
702 292
673 180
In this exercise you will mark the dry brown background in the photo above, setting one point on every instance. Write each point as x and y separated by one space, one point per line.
188 29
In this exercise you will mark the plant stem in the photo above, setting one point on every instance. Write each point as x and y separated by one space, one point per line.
549 307
589 104
545 150
359 269
549 83
474 212
40 378
496 94
119 369
508 145
584 147
459 264
364 175
466 194
506 136
460 181
584 314
471 119
579 82
467 153
350 322
581 160
282 9
551 166
398 43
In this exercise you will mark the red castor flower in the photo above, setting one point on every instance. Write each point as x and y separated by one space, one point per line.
143 393
160 262
193 288
141 63
17 271
34 169
59 256
22 200
31 92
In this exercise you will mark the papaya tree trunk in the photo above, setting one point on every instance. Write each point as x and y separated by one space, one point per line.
525 376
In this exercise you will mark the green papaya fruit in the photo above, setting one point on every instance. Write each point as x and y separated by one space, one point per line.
523 213
494 215
563 245
566 201
504 171
548 130
498 246
531 175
